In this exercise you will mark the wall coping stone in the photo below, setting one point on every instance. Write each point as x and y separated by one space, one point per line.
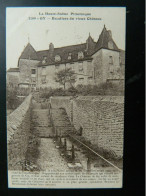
15 118
115 99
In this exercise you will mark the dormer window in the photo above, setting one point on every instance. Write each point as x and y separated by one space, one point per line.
111 60
33 71
80 55
110 45
69 56
57 58
44 60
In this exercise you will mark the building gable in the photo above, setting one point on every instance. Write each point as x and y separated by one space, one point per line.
106 41
29 53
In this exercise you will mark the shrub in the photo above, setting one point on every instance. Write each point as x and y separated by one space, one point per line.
84 90
12 96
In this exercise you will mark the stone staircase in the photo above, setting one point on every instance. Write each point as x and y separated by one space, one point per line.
50 123
61 121
42 123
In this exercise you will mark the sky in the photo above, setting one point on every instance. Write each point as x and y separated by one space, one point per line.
35 25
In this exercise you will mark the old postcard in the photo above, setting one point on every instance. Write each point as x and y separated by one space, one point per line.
65 96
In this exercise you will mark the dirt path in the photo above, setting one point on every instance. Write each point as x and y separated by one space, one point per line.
49 156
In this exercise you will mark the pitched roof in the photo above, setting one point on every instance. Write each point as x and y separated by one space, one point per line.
16 69
63 52
104 38
88 48
29 53
103 42
90 45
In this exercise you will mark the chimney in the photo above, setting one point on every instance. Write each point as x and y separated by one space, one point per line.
51 49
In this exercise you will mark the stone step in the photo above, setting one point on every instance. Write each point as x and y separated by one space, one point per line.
40 111
44 131
61 121
64 129
41 117
62 125
41 120
60 117
43 123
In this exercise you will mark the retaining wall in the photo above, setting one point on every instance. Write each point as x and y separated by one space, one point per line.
18 130
101 117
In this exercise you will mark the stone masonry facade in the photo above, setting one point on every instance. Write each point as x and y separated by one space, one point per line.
102 119
18 131
93 62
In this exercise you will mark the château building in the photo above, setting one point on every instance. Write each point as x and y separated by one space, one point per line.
93 63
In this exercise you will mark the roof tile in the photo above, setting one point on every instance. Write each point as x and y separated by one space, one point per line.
29 53
104 38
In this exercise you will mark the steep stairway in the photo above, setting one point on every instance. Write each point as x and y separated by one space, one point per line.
42 123
61 121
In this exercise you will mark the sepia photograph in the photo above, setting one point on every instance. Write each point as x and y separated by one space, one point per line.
65 86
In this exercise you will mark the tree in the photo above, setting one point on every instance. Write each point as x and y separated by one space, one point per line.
65 76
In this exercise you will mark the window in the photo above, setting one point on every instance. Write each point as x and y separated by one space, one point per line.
80 55
90 78
72 80
81 79
111 60
33 71
44 60
110 45
57 58
69 56
111 69
80 66
43 70
117 69
43 79
57 66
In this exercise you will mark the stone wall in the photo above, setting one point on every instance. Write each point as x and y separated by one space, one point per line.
106 69
102 119
13 78
83 70
25 67
97 64
46 76
18 130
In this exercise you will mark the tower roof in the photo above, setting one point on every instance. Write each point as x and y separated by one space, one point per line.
104 39
29 53
90 38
